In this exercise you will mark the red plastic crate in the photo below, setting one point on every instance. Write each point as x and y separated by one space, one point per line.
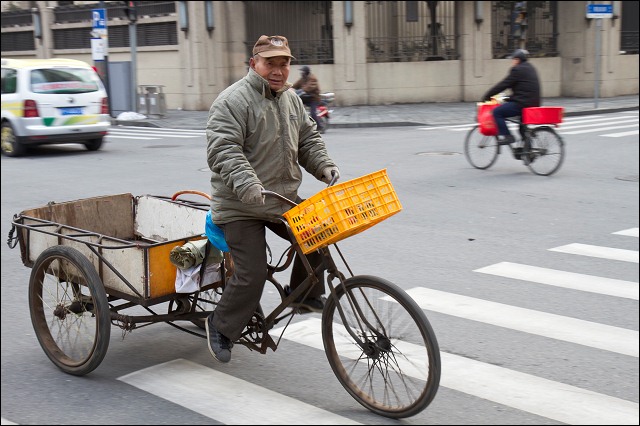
542 115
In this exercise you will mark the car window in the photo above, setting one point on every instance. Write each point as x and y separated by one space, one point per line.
67 80
9 80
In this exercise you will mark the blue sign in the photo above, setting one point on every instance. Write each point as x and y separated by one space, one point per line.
599 11
99 19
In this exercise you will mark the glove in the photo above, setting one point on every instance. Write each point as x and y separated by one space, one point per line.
326 174
253 195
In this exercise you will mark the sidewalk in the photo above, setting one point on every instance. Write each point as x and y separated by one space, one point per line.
424 114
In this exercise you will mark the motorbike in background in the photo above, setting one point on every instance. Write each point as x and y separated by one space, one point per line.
323 112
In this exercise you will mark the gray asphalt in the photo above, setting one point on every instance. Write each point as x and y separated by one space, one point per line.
422 114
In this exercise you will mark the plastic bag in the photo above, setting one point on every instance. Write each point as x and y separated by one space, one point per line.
485 119
215 234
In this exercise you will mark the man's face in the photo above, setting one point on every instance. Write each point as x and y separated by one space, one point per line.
275 70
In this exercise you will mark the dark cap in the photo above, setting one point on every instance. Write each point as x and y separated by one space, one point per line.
305 69
271 46
519 54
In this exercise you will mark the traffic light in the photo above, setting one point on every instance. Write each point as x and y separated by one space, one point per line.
130 10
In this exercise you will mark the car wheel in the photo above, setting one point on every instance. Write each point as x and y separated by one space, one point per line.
93 144
11 147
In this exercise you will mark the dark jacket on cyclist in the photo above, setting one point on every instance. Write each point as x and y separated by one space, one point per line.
524 84
525 92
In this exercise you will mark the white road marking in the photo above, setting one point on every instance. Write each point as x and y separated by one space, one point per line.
574 281
159 128
631 232
602 129
573 330
543 397
110 135
225 398
598 251
621 134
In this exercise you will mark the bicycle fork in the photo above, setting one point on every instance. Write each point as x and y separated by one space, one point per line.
369 347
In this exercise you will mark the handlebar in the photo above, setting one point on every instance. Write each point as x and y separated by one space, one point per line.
334 179
279 197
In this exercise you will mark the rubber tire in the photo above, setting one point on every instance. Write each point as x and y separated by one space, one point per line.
414 333
475 143
11 146
94 144
45 321
545 138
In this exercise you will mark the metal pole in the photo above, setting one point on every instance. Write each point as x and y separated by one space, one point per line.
596 89
134 65
104 65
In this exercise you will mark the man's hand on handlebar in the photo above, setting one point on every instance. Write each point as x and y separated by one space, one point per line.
330 175
253 195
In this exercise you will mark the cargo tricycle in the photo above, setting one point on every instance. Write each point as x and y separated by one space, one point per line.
97 262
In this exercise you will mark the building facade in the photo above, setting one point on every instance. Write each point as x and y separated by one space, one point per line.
368 53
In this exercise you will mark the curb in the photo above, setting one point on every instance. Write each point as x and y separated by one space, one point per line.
154 124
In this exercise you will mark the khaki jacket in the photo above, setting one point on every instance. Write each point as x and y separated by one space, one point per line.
256 137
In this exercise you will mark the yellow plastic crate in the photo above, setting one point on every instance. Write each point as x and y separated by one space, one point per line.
343 210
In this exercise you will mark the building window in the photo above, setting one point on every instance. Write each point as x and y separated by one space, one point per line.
530 25
411 31
629 28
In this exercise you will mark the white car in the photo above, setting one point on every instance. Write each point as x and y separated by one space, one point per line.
52 101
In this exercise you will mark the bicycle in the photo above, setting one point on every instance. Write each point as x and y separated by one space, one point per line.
378 341
540 148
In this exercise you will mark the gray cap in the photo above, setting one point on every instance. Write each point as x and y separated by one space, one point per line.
519 54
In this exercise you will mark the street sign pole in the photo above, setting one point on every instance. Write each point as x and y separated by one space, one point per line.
598 12
132 13
596 89
100 48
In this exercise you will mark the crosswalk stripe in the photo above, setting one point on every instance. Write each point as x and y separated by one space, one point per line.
601 129
129 137
453 126
631 232
161 129
573 330
155 134
543 397
621 134
591 119
156 130
582 126
582 282
462 129
225 398
598 251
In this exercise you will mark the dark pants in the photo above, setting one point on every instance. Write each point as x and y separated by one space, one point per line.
507 109
313 110
248 246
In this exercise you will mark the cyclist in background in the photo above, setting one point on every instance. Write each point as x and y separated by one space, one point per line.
308 88
525 87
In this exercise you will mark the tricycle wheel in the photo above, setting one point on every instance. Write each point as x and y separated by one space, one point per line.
69 310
